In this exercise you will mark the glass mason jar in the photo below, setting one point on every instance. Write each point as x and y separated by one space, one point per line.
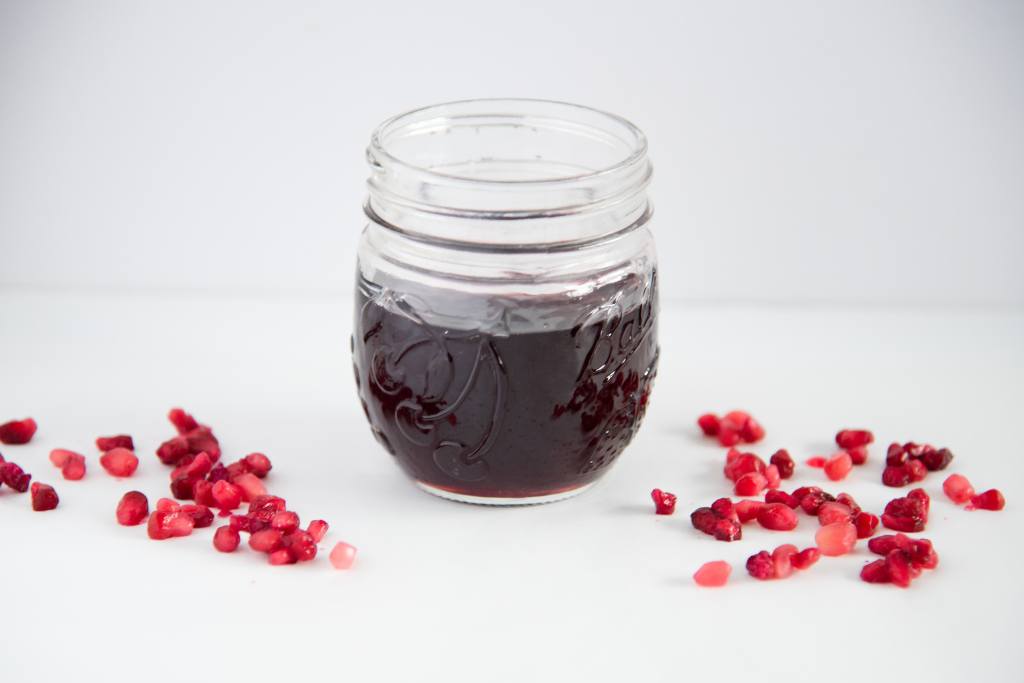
506 303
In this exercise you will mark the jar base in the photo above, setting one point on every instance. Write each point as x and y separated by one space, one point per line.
502 501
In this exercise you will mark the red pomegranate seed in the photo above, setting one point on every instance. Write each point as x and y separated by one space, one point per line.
916 471
858 454
43 497
173 450
777 517
836 539
202 439
741 464
746 510
936 460
73 469
709 522
834 512
59 456
250 485
17 431
848 500
885 544
710 575
317 529
751 431
895 475
167 505
851 438
272 502
750 484
182 421
708 424
875 572
922 554
664 502
201 515
179 524
813 501
866 524
155 528
723 507
343 556
899 568
761 566
266 540
782 558
226 539
109 443
805 558
183 488
988 500
728 437
279 557
803 491
905 514
958 489
285 521
735 419
771 475
731 455
784 462
259 464
921 496
245 523
132 509
218 473
895 455
301 545
226 495
199 466
202 492
816 461
119 462
12 475
838 466
777 496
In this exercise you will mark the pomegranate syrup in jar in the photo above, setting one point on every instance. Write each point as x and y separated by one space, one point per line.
505 336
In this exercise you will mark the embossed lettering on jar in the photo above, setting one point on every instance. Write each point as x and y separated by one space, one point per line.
506 308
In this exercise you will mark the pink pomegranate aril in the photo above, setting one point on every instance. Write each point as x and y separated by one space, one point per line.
664 502
119 462
838 466
777 496
746 510
750 484
226 539
266 540
59 456
958 488
250 486
73 469
833 512
777 517
875 572
285 521
728 437
179 523
17 431
771 475
279 557
988 500
44 497
226 495
816 461
782 558
343 555
708 424
751 431
836 539
181 420
710 575
108 443
805 558
317 529
784 462
167 505
132 509
858 454
155 528
866 524
761 566
851 438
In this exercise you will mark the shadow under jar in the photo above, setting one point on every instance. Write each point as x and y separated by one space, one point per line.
506 306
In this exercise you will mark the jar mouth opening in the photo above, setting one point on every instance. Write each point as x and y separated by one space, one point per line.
508 142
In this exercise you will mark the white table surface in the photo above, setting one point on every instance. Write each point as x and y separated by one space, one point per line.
595 588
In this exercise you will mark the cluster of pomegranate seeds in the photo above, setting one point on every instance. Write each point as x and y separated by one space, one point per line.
909 513
133 508
71 464
17 432
15 477
713 574
664 502
903 559
732 428
119 462
781 562
193 439
911 462
720 520
43 497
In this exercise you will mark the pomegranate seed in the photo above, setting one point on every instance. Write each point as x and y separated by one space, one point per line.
776 496
708 424
12 475
132 509
988 500
905 514
664 502
803 491
728 437
167 505
850 438
750 484
742 463
74 469
813 501
226 495
805 558
709 522
916 471
202 439
936 460
777 517
119 462
183 488
237 469
816 461
259 464
875 572
899 568
226 539
958 488
156 528
301 545
783 461
836 539
173 450
182 421
731 455
771 475
250 486
243 523
17 431
710 575
848 500
317 529
109 443
747 510
201 515
59 456
915 450
735 419
834 512
43 497
343 555
895 455
858 454
266 540
782 558
199 466
895 475
202 492
838 466
285 521
171 524
761 566
279 557
921 496
217 473
751 431
866 524
922 554
723 507
883 545
272 502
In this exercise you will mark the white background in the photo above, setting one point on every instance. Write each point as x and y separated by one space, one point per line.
822 151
